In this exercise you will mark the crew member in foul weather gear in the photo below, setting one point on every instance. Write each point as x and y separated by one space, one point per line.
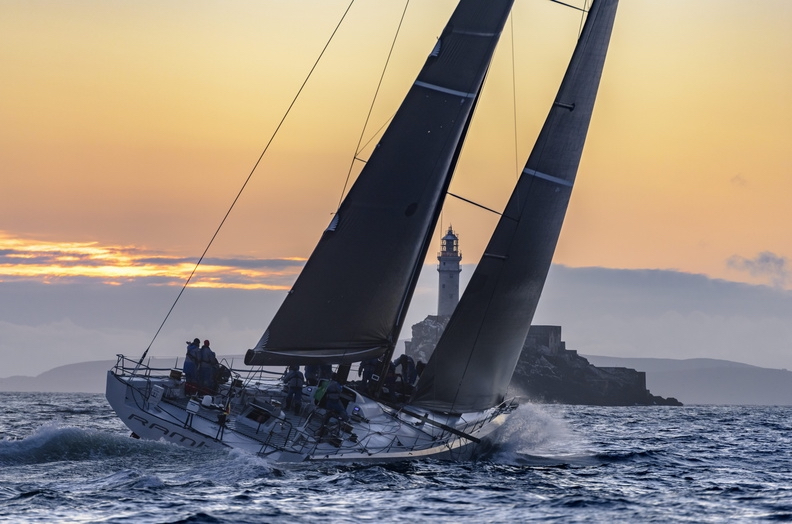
333 404
325 371
207 371
294 381
312 374
191 363
367 369
405 368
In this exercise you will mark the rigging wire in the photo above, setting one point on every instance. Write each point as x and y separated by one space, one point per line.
376 133
463 199
250 175
514 121
572 6
582 18
584 11
517 170
514 98
371 107
518 173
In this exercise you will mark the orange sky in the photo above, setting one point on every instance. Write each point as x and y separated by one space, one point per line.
70 262
135 123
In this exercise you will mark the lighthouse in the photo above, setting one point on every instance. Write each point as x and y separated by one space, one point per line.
448 267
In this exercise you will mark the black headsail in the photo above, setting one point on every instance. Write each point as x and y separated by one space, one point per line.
349 302
475 358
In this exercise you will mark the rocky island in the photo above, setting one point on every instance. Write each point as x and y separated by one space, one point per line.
547 372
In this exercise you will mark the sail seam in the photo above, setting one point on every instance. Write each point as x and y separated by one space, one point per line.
549 178
445 89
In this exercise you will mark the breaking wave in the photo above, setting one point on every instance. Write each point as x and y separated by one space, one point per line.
53 443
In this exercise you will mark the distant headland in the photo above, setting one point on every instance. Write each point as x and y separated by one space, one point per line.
690 381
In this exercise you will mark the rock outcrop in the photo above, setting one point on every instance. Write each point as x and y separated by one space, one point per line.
548 372
425 335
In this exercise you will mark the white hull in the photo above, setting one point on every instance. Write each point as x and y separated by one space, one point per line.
248 417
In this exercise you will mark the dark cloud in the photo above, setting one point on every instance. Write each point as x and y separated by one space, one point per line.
626 313
241 263
767 265
255 263
653 292
668 314
68 258
52 259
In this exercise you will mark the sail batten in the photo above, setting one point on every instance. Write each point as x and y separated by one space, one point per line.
351 296
547 177
474 360
442 89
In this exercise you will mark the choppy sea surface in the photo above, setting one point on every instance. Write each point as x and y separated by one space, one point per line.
66 458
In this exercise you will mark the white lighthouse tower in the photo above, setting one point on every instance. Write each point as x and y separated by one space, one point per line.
448 267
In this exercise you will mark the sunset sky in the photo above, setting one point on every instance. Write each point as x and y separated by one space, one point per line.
128 127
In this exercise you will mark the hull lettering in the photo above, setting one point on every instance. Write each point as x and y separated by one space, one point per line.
166 433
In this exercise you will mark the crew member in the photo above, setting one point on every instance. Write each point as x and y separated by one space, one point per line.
207 372
191 364
294 381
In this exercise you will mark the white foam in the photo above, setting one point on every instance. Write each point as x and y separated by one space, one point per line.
536 432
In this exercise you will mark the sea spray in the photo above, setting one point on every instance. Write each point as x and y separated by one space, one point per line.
534 432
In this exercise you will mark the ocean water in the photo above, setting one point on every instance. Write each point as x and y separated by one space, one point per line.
66 458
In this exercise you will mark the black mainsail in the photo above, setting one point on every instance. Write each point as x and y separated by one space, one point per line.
350 300
475 357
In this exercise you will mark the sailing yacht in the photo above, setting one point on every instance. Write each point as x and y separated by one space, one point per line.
349 303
